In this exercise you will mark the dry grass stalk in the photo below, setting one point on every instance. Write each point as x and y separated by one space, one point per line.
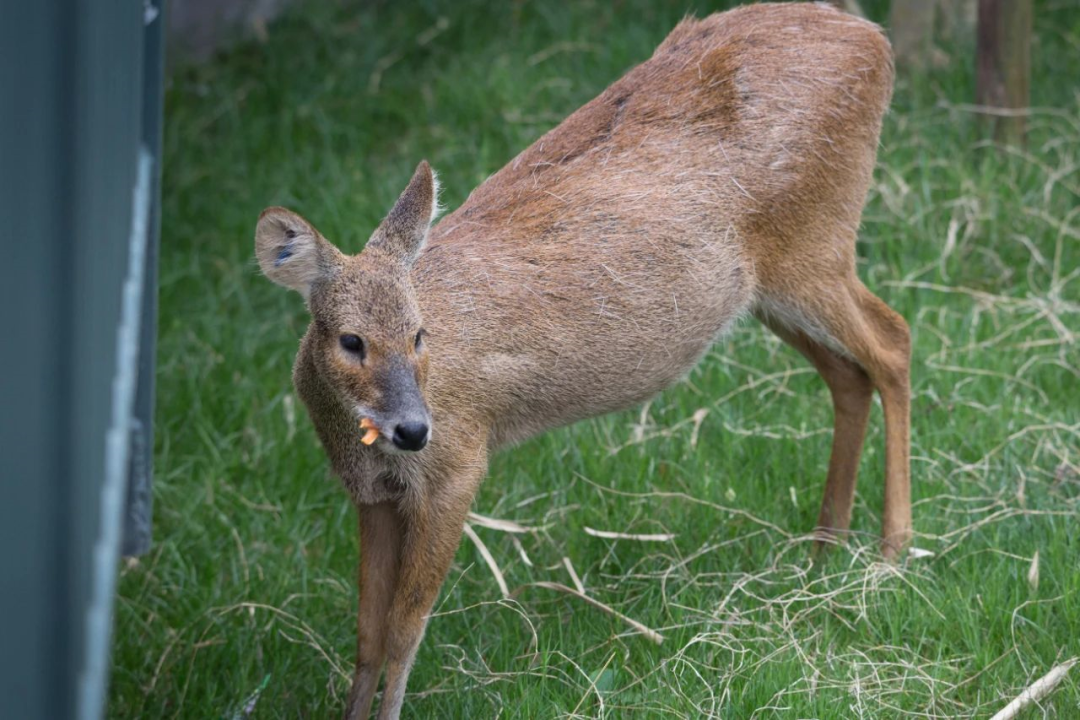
496 524
486 554
1036 691
609 535
521 551
573 575
643 629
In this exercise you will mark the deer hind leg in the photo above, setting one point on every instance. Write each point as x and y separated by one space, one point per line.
888 361
855 341
380 546
851 391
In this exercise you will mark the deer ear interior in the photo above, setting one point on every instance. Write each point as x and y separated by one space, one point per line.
404 231
291 252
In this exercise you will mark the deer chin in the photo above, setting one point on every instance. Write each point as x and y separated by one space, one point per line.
389 448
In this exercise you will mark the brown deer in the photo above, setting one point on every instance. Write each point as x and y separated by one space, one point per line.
724 176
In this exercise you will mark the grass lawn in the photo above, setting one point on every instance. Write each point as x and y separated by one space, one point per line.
250 583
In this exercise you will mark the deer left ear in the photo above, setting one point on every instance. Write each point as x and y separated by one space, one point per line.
291 252
404 231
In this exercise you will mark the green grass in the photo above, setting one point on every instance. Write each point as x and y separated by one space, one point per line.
251 578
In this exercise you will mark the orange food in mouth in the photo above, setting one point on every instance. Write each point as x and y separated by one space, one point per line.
372 433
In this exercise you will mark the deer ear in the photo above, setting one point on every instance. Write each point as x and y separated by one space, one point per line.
404 231
291 252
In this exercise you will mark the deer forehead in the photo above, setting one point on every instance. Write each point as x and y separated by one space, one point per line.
373 301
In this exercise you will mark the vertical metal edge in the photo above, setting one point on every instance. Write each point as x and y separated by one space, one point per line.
92 680
139 510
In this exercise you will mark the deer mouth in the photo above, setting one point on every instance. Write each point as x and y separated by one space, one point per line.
400 438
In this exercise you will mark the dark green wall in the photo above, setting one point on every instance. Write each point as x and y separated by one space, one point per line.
79 101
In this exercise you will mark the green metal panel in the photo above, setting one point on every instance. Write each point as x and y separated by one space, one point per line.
35 136
79 135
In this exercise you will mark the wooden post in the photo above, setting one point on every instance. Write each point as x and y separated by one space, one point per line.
1003 66
911 27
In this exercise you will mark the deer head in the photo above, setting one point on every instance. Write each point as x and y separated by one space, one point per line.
366 331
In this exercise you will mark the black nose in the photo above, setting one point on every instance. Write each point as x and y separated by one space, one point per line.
411 435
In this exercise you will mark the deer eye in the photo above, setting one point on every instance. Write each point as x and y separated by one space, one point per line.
353 344
419 337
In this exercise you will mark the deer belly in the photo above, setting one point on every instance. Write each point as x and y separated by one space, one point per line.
611 369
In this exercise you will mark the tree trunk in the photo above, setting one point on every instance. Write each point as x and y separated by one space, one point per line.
1003 66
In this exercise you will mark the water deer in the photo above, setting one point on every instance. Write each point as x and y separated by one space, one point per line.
723 177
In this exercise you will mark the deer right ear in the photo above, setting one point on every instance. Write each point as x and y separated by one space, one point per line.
291 252
404 231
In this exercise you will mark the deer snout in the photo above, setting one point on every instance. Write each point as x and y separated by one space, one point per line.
411 436
405 412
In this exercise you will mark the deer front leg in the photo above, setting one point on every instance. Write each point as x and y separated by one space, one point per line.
380 547
433 528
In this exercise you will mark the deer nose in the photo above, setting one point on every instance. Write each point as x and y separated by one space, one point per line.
411 435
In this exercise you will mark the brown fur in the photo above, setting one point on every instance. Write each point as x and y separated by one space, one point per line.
725 176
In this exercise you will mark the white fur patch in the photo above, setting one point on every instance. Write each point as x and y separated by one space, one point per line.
794 319
436 188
